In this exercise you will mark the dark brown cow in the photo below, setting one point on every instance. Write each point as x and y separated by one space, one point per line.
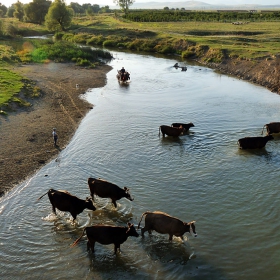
166 224
186 126
64 201
273 127
171 131
254 142
106 189
105 234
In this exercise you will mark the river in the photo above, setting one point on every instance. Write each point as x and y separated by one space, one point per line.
232 194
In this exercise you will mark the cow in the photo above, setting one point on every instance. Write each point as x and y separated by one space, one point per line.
254 142
273 127
106 234
186 126
165 224
106 189
64 201
171 131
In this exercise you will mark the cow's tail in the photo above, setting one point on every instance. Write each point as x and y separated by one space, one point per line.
43 195
263 128
76 242
145 213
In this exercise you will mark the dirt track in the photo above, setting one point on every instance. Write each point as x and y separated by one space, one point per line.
26 136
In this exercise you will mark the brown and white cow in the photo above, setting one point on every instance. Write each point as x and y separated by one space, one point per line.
171 131
106 189
254 142
166 224
106 234
64 201
273 127
186 126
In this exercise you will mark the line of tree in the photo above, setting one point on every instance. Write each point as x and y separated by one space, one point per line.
167 15
36 11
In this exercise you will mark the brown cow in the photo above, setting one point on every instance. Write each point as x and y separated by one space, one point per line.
166 224
64 201
254 142
105 234
171 131
273 127
106 189
186 126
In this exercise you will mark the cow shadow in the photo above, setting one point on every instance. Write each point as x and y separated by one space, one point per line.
165 251
167 140
121 217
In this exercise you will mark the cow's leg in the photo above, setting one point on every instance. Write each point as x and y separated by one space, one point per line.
90 245
143 230
114 202
150 231
117 246
170 236
74 215
53 208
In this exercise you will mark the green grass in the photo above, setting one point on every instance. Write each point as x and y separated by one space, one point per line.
253 40
10 85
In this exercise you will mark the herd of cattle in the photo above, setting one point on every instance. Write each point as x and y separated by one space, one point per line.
107 234
257 142
158 221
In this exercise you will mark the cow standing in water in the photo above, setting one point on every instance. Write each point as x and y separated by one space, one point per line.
273 127
106 189
106 234
64 201
254 142
166 224
171 131
186 126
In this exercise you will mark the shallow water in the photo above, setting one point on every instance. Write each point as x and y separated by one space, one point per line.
232 194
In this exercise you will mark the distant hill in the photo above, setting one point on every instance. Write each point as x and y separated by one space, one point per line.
198 5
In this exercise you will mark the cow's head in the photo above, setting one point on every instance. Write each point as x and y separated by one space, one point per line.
191 228
127 194
191 124
131 231
89 204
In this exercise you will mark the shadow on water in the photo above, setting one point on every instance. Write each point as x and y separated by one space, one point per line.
261 153
164 251
170 140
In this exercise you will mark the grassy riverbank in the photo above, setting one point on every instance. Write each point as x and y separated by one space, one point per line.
252 40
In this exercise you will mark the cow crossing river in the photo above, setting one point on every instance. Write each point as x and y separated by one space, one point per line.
202 175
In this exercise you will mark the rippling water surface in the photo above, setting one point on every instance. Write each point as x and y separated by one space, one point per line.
232 194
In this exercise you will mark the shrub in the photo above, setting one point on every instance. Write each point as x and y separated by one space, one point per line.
109 43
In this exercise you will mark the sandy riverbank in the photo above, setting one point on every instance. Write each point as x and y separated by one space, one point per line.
26 136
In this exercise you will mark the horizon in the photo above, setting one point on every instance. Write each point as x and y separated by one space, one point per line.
110 3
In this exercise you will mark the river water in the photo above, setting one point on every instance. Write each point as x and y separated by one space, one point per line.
232 194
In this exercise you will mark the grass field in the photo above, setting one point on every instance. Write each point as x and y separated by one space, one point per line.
252 40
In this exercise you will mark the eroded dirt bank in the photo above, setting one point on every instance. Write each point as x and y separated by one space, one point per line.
264 72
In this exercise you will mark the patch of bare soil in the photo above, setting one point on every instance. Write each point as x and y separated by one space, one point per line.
26 136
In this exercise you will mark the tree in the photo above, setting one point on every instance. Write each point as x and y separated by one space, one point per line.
59 16
36 11
19 12
3 10
11 10
124 4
